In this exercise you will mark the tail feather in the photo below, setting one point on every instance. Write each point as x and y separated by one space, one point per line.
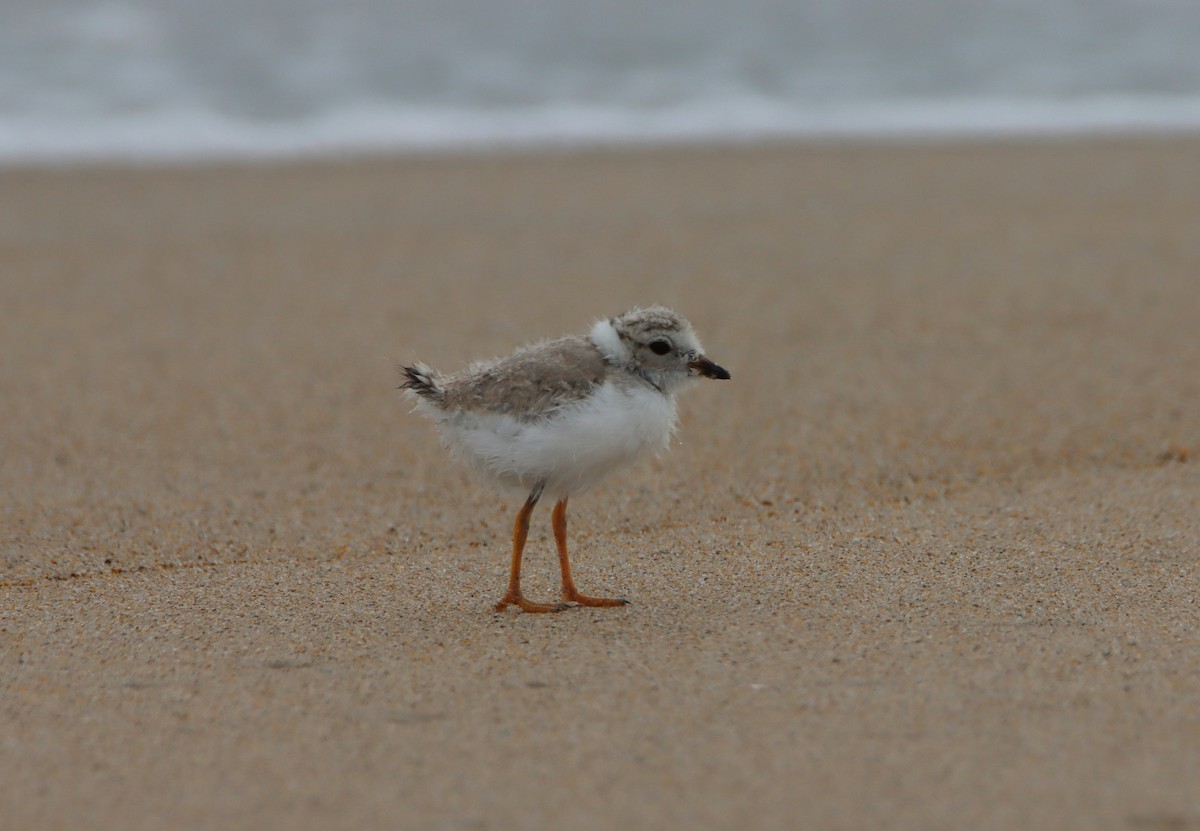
423 381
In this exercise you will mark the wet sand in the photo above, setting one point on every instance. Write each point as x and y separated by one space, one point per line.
929 560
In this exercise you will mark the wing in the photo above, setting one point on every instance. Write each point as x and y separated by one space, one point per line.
532 383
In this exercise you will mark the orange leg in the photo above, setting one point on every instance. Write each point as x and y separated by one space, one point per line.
569 592
520 532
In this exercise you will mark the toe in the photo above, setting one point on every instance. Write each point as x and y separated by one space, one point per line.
526 605
602 602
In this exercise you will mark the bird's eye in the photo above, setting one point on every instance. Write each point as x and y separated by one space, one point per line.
660 347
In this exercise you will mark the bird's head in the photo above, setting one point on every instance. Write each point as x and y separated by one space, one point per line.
658 344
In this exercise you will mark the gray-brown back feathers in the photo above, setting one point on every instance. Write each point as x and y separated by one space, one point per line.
528 385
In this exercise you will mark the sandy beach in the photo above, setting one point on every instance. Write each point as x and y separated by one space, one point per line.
929 561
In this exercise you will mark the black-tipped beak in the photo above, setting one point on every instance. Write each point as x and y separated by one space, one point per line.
708 369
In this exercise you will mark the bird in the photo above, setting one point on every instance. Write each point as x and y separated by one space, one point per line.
556 417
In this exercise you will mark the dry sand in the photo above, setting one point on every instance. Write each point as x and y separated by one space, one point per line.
929 560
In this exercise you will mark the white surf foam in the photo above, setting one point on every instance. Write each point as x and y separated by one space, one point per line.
192 134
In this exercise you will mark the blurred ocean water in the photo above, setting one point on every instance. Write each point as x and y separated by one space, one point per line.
179 79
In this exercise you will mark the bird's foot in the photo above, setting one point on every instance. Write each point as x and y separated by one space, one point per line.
582 599
525 605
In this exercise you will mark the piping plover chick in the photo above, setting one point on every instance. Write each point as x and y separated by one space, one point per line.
556 417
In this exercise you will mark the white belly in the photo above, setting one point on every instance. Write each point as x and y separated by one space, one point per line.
572 451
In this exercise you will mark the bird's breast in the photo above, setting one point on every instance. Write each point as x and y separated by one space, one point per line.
577 446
